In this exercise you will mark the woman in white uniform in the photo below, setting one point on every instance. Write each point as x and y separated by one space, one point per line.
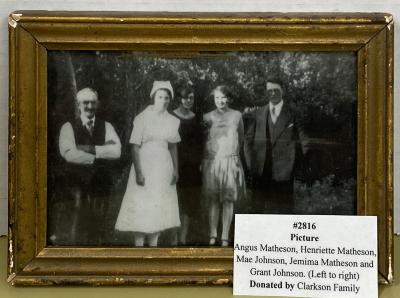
150 203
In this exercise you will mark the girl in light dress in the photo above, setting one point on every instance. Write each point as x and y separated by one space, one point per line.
222 171
150 203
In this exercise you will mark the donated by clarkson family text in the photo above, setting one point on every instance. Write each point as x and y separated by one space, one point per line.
309 256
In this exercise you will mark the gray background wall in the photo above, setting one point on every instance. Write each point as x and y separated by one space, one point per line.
7 6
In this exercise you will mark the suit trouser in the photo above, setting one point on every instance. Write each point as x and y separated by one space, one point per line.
91 193
274 197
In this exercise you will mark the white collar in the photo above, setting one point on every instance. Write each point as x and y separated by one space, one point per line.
85 120
152 109
278 107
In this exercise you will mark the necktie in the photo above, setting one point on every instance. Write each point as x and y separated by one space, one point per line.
89 127
273 116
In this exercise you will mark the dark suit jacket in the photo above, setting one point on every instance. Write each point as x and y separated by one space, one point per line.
282 147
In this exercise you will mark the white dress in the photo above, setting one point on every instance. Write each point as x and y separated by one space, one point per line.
153 207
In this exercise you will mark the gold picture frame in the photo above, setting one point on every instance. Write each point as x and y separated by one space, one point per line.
33 33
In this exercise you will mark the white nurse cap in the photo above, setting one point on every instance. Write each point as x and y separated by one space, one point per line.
162 85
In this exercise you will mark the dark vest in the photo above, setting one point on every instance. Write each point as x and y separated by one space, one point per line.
82 136
97 174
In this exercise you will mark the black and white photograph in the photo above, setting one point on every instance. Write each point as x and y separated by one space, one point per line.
163 149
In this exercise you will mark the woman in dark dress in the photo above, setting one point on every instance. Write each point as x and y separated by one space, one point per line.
189 157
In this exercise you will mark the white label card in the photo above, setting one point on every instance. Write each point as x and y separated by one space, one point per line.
305 256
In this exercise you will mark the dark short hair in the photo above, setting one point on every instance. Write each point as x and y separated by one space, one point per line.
275 81
278 82
185 91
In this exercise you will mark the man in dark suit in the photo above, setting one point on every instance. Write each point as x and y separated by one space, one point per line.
274 140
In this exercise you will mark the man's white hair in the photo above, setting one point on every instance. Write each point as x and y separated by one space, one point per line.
86 91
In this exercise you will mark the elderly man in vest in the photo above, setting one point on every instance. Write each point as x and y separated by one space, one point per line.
88 144
273 140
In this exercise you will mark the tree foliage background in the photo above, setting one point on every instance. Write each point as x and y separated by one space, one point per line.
320 86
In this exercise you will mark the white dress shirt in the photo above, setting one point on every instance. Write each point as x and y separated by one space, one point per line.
277 110
68 150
